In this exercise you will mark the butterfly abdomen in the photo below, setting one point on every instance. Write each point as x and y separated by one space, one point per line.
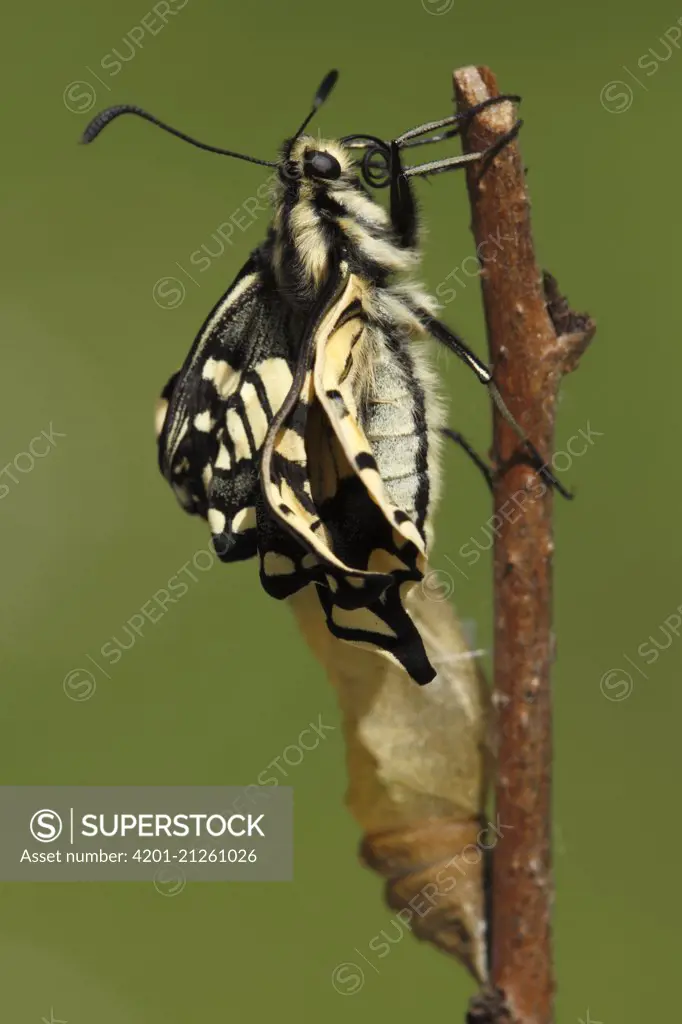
394 422
392 391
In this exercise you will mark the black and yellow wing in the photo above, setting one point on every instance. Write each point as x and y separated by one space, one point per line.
342 477
290 438
214 414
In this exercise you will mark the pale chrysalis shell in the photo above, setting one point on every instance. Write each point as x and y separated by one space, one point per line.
417 765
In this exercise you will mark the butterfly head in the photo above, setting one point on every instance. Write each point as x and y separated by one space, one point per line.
314 165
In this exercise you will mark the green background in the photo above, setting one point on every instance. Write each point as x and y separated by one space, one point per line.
222 684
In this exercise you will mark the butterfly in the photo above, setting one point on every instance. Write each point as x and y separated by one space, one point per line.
305 423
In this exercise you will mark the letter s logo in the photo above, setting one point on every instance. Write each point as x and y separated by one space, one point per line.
46 826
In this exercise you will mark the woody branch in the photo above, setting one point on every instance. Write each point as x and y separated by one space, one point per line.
533 340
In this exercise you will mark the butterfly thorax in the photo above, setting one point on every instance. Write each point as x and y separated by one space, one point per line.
320 219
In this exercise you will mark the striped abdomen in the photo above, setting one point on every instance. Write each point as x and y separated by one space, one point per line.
394 418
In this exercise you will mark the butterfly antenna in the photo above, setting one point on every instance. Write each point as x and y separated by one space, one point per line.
105 117
326 86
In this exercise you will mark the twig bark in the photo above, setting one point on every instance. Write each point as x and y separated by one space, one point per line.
533 340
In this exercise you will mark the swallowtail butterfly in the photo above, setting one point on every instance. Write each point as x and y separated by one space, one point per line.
304 424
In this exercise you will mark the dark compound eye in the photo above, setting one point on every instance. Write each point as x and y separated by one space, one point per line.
322 165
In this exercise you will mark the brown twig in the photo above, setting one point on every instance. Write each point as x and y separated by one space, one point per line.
533 339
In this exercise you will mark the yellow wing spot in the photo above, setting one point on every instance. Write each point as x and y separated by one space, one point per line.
235 428
223 460
216 520
278 565
291 445
203 421
385 561
276 377
224 377
244 520
361 619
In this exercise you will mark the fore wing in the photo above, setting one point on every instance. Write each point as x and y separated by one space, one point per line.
214 414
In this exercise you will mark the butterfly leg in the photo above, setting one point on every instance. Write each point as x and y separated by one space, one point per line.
452 341
413 138
452 163
480 463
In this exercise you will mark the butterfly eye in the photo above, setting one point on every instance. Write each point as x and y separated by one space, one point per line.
322 165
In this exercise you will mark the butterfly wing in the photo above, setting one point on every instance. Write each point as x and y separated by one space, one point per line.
262 432
339 527
372 399
214 413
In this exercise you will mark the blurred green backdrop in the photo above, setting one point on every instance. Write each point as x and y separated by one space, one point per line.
218 688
